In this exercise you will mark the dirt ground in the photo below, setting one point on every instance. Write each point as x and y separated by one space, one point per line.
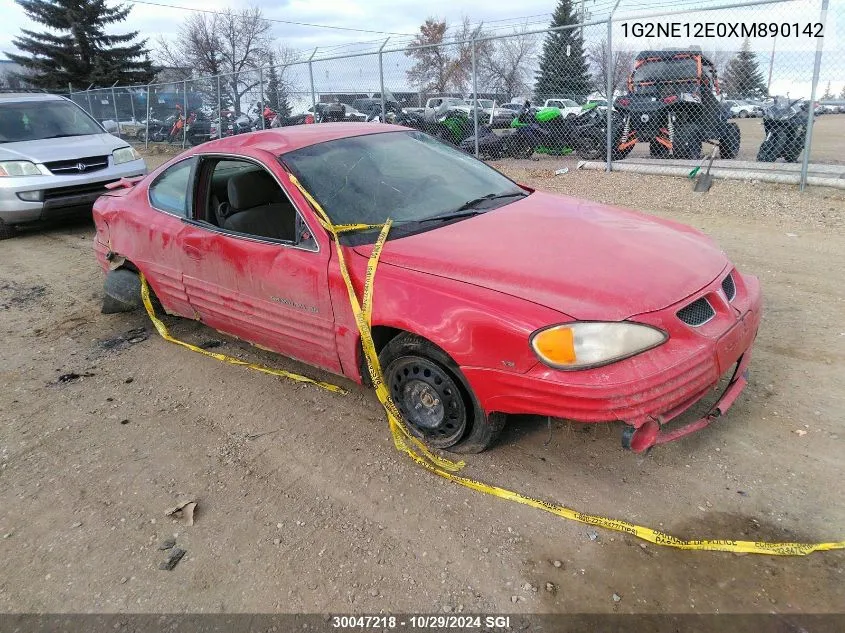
304 505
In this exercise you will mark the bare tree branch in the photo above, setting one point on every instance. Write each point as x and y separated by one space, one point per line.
617 65
506 68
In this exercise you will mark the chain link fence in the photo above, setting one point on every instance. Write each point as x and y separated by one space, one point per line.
748 84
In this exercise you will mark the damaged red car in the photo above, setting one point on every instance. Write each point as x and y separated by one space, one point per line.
490 298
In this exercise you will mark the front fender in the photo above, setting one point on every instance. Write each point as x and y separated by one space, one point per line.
476 326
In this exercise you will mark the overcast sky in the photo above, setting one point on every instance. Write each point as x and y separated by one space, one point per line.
793 68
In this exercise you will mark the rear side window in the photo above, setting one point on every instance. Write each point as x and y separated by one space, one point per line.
172 190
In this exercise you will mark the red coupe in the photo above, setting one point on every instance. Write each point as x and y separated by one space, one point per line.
490 298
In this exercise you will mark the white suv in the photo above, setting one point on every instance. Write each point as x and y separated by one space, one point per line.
55 160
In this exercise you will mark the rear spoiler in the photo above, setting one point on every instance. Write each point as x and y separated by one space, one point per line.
124 183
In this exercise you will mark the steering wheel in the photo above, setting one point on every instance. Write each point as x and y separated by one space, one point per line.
428 181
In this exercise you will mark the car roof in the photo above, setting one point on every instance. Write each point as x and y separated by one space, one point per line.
288 139
669 54
29 96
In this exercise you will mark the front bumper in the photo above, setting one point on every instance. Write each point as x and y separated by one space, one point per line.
653 387
63 196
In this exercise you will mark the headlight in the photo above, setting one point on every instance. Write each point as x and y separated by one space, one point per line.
125 155
581 345
18 168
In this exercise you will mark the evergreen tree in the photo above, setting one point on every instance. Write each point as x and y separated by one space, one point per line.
827 93
743 77
842 94
77 50
563 65
271 94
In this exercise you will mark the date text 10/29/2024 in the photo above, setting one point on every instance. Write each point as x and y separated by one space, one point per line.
363 622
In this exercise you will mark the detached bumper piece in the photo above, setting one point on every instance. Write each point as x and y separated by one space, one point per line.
653 432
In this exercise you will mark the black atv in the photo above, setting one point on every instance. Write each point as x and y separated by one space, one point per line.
671 105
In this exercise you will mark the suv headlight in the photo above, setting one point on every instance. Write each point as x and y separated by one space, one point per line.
125 155
585 344
18 168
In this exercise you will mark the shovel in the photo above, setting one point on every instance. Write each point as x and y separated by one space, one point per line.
704 181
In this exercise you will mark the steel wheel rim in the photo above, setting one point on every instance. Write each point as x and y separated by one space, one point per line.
429 399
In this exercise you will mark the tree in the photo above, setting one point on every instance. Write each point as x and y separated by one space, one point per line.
743 77
432 69
505 69
563 66
842 94
827 93
77 49
232 43
444 63
463 38
616 65
271 93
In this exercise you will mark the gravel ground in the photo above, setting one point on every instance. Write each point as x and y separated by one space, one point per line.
304 505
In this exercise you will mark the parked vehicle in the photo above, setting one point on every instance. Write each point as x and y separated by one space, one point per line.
372 107
567 107
591 134
785 123
170 130
55 160
559 132
743 109
489 299
438 104
522 143
671 105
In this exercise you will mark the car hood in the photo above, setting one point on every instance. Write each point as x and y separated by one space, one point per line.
66 148
585 259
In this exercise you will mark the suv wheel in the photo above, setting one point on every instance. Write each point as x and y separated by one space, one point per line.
688 140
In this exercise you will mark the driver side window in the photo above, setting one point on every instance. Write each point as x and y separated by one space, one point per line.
242 197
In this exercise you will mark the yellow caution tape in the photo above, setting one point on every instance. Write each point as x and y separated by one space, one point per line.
407 443
165 334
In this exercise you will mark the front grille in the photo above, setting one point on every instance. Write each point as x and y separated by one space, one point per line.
729 287
72 167
76 190
697 313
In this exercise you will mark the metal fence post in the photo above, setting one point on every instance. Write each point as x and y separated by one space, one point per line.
311 79
261 95
808 139
131 105
610 88
184 113
474 95
381 80
90 109
147 122
114 107
219 110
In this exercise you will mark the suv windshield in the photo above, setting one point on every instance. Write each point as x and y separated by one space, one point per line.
33 120
674 70
407 176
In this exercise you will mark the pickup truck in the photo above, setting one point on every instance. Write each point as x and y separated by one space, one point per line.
567 107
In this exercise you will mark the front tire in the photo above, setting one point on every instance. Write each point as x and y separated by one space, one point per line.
771 149
729 143
434 398
687 143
